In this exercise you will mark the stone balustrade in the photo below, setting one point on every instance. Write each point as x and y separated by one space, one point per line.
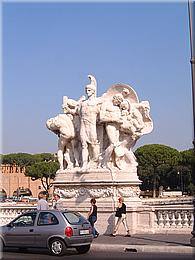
174 218
7 213
167 218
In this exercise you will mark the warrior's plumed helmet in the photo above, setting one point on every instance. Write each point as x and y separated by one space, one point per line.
93 84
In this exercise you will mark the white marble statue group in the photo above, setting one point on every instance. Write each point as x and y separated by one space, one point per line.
99 132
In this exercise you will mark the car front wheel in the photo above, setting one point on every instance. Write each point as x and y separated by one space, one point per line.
83 249
57 247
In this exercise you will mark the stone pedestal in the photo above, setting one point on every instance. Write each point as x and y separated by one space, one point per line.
78 188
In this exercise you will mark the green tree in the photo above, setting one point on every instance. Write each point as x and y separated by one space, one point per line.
44 157
45 171
187 170
19 159
41 166
155 160
188 158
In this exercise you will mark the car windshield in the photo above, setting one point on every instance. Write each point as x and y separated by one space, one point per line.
73 217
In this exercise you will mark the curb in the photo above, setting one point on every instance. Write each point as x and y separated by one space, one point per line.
144 248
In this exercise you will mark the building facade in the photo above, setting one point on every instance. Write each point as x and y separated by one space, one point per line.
13 177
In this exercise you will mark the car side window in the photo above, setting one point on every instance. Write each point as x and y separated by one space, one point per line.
25 220
47 218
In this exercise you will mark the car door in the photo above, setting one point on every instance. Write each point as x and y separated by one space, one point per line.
20 232
47 225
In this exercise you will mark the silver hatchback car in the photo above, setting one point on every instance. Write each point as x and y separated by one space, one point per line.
52 229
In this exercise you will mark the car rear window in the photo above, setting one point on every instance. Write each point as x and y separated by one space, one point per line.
73 217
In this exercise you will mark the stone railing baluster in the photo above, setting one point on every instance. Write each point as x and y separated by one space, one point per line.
179 220
167 220
173 220
191 219
161 220
185 219
156 220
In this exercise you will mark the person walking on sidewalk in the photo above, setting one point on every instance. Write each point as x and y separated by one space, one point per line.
121 217
92 217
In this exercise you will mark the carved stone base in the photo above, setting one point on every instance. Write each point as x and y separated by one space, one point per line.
78 188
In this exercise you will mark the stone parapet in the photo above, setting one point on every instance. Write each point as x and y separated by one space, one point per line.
143 219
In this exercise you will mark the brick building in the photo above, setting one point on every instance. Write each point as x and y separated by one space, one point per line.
12 177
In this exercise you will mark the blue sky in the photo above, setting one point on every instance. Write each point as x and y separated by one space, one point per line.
50 48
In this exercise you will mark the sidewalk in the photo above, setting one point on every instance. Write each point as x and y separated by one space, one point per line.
170 243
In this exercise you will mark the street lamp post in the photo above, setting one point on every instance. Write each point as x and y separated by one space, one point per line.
191 8
181 182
